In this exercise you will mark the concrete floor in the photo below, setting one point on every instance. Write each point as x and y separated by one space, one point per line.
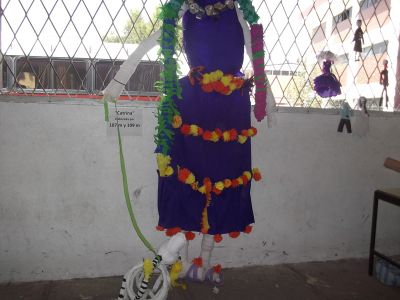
345 279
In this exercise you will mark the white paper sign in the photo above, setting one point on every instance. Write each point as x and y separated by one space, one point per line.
128 119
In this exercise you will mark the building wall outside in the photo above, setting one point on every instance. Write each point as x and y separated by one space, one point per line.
63 213
379 25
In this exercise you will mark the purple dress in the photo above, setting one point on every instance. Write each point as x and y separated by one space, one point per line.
215 43
326 85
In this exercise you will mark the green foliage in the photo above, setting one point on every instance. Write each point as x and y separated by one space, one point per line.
300 90
136 29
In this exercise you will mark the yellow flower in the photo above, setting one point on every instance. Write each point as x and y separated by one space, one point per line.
147 268
226 79
202 189
194 130
163 161
214 137
240 180
206 78
232 86
250 131
191 179
176 121
242 139
247 174
226 136
169 171
219 185
218 74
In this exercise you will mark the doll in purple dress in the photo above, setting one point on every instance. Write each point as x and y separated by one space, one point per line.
326 85
205 174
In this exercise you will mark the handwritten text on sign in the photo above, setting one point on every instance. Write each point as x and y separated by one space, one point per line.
128 119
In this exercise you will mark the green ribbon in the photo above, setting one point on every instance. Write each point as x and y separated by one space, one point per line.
106 118
127 197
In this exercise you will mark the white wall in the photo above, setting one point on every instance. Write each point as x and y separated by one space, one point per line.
63 215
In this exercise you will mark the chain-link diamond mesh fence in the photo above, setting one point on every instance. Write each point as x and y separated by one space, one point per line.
73 48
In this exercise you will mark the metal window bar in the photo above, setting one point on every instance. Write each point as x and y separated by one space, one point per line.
74 47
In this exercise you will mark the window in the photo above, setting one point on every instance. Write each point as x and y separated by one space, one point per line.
344 15
364 4
75 47
375 49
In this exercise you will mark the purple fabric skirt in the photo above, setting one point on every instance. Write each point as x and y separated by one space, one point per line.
181 206
327 85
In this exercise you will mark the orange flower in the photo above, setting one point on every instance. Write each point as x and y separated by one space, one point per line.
176 121
252 131
256 174
183 174
207 135
217 269
216 191
217 238
248 229
219 87
233 133
189 235
172 231
234 234
227 183
198 262
185 129
235 183
207 183
245 132
208 88
160 228
244 179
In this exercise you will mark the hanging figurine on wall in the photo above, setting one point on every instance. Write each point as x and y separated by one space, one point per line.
384 80
361 122
327 85
358 41
345 114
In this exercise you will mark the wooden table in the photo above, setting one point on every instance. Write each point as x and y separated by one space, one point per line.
391 196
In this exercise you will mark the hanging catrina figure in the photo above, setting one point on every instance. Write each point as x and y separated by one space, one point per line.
358 40
327 85
361 122
204 131
384 81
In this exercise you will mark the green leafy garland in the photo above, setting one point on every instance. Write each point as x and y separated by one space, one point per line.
169 86
249 12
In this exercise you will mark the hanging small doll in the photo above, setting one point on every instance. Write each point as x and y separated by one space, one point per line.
358 41
361 122
345 114
384 80
326 85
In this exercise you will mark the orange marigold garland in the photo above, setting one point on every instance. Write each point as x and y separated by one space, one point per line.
215 81
216 135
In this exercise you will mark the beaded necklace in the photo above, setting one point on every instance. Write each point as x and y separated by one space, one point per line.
211 10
